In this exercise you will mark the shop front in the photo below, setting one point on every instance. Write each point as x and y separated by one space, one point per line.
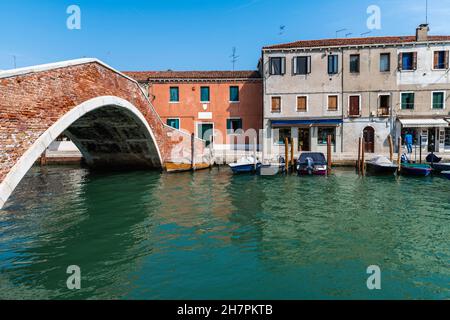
430 135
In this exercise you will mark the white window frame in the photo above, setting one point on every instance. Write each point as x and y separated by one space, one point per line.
229 91
401 100
438 91
179 122
281 104
209 89
307 103
348 105
174 102
328 102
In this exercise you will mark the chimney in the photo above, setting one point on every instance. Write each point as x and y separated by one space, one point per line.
422 33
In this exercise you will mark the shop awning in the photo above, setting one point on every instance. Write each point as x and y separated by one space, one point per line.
423 123
324 122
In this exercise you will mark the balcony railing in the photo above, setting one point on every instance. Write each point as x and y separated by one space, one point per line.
384 112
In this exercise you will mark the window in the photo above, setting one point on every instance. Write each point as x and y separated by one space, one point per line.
283 133
333 64
174 123
204 94
438 100
323 133
276 104
354 106
440 60
233 125
302 65
302 103
407 101
385 62
234 94
384 105
174 94
277 66
332 103
407 61
354 63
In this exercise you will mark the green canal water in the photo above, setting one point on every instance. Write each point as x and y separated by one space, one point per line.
212 235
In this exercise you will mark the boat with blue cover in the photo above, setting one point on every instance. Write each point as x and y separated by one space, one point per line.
414 169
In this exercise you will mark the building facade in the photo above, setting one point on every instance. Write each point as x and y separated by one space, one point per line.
218 106
357 87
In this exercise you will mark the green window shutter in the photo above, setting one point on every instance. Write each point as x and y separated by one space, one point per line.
174 123
438 100
174 94
204 94
234 94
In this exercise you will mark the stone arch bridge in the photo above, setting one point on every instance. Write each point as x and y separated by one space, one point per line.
105 113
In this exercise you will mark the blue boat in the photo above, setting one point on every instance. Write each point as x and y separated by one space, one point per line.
418 170
245 165
446 174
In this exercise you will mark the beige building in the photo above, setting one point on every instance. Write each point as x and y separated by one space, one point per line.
357 87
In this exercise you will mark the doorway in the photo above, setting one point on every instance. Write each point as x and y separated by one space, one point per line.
205 131
369 140
431 140
303 140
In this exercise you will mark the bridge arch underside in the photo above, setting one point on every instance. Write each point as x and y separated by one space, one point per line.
112 137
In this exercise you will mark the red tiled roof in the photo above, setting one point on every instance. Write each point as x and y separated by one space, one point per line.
353 42
201 75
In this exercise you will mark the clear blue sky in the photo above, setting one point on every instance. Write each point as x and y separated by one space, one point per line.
191 34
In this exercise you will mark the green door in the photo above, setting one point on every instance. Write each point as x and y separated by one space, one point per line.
205 132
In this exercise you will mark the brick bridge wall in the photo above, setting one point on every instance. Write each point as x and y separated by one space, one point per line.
30 103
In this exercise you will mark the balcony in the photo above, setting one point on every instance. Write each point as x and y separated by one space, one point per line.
384 112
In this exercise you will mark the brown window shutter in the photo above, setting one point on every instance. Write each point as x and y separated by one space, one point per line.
435 59
400 61
414 60
276 104
301 103
332 103
446 59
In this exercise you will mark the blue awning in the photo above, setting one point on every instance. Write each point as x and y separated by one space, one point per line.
306 122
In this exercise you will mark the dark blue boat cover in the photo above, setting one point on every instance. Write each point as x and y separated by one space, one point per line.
318 158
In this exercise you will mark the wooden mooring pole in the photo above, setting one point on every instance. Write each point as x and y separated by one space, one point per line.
391 148
286 153
292 154
193 152
329 160
363 160
399 157
358 163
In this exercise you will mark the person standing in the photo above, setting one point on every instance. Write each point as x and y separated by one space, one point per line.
409 142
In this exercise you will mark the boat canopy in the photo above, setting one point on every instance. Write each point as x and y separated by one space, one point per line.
381 160
318 158
423 123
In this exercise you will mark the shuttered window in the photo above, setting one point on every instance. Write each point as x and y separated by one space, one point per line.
385 62
407 61
354 106
354 63
438 100
234 94
332 103
174 94
301 65
333 64
440 60
174 123
276 104
204 94
302 104
277 65
408 101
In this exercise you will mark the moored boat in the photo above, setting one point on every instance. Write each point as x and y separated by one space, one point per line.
312 163
381 166
439 167
446 174
245 165
272 168
419 170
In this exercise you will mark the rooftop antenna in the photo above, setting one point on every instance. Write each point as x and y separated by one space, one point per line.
426 11
341 30
234 57
348 34
365 33
282 29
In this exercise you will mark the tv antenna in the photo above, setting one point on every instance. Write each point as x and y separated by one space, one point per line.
234 57
282 29
348 34
341 30
426 11
365 33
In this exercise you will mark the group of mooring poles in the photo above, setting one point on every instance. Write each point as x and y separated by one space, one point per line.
289 151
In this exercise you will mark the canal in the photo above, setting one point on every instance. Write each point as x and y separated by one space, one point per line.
212 235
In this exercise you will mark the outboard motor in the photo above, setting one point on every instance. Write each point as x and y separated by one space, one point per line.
309 165
404 158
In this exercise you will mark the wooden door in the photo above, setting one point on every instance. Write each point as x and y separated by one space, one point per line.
354 106
369 140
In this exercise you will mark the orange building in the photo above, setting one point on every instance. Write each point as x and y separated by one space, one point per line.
202 102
